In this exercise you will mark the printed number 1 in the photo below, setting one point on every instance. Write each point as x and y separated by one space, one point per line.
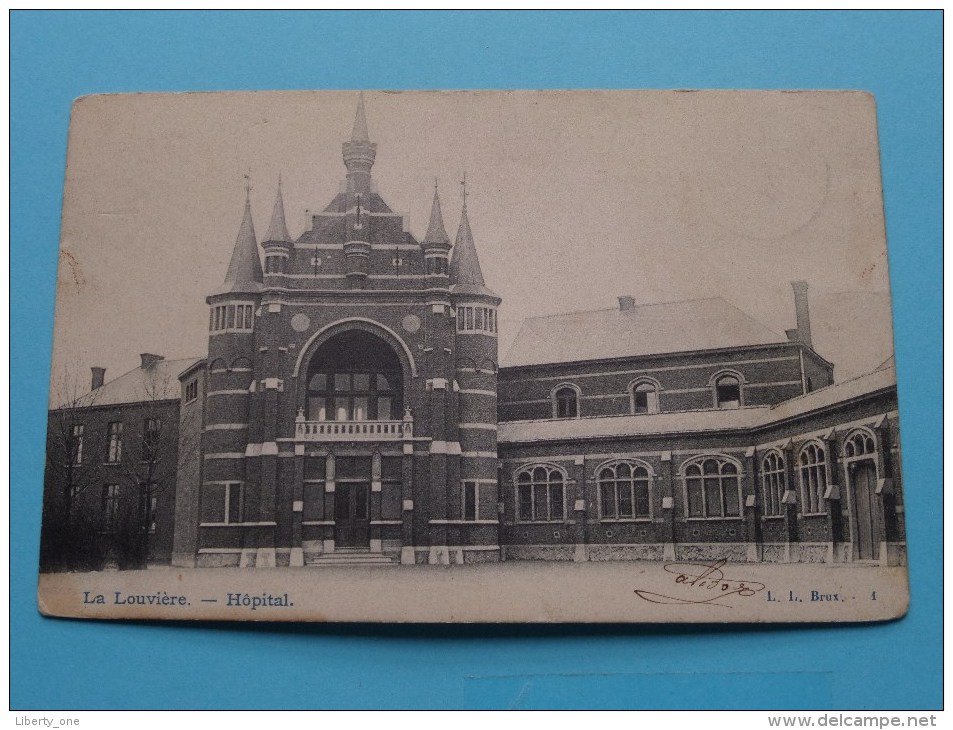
873 595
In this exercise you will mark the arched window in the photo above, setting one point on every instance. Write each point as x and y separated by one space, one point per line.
541 494
566 402
773 482
625 491
728 391
858 444
355 376
644 396
812 465
712 488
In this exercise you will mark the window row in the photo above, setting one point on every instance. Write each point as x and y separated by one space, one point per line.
150 444
336 396
812 469
644 396
476 319
224 317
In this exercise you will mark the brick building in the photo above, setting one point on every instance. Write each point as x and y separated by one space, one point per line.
353 409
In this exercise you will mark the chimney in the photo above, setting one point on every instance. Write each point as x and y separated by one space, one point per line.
626 303
99 375
803 331
148 359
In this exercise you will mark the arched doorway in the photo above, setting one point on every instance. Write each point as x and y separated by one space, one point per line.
353 378
863 483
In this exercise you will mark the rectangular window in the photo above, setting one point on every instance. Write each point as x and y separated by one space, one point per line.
468 318
148 505
77 444
471 500
459 318
392 477
314 499
114 455
110 505
526 502
360 409
151 431
317 409
385 405
230 321
234 502
191 391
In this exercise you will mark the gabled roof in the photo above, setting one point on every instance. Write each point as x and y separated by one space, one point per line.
158 382
649 329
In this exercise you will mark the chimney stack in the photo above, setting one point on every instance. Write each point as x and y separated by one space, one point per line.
803 331
148 359
626 303
99 375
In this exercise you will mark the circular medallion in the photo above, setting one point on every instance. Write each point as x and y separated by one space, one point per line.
411 323
300 322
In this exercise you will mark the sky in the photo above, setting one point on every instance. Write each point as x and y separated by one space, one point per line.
574 198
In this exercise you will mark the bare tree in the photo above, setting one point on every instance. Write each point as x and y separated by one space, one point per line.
70 532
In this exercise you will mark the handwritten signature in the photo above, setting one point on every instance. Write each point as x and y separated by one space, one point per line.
706 583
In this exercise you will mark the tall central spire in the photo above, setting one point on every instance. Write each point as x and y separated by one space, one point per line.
359 131
359 153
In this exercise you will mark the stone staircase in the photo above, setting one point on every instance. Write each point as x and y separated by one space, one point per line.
349 556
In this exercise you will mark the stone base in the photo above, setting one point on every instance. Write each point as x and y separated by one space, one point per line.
249 558
438 555
265 558
407 553
296 560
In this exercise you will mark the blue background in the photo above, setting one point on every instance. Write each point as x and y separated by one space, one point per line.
86 665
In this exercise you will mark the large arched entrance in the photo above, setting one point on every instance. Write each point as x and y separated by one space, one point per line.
354 376
354 387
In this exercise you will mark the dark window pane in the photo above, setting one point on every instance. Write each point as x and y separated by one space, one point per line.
712 498
385 406
556 500
469 500
526 502
390 500
694 488
625 498
730 485
362 382
213 503
352 467
392 468
341 411
319 381
317 409
383 383
314 467
234 503
314 500
539 502
342 381
641 498
607 488
359 412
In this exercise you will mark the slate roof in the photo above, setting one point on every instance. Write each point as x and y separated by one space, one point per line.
278 229
244 270
648 329
465 272
681 422
159 382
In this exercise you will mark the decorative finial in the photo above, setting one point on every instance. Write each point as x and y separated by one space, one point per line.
247 177
464 184
435 184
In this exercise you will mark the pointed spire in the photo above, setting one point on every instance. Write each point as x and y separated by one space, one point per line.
436 231
464 263
244 269
278 229
359 132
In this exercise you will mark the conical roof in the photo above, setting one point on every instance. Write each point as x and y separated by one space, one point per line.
436 231
466 276
278 229
244 270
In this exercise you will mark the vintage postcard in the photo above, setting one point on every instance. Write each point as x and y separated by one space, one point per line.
565 356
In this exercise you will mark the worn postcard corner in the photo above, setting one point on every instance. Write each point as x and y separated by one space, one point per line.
575 356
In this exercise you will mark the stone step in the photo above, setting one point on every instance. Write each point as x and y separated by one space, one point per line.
338 558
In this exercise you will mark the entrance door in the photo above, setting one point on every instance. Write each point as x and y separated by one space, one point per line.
863 483
351 514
